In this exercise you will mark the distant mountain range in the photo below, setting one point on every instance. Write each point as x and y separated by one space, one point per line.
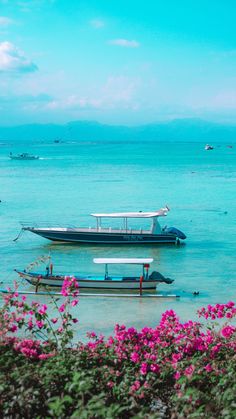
176 130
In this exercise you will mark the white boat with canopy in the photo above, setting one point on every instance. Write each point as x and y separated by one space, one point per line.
110 235
143 281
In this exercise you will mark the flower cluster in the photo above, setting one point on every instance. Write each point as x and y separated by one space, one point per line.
35 320
218 311
182 350
179 366
70 286
31 349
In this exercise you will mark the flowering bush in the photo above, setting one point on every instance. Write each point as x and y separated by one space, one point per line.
34 320
175 370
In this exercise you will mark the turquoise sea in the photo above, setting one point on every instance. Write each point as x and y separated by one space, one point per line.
72 180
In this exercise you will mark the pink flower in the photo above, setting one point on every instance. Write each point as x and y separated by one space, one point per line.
228 331
43 309
13 328
230 304
62 308
136 386
91 335
144 368
215 349
54 320
177 375
189 371
74 303
134 357
46 356
30 324
208 368
155 368
176 357
40 324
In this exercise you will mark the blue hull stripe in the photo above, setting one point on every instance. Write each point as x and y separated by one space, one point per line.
109 238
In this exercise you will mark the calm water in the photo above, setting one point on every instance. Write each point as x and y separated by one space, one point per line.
72 180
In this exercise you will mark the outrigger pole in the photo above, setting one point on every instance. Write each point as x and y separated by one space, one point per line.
160 296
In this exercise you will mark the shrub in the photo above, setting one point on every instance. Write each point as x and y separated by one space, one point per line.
175 370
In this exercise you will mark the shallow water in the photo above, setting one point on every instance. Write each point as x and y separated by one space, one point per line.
70 181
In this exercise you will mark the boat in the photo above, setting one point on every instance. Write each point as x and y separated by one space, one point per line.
123 235
144 281
209 147
23 156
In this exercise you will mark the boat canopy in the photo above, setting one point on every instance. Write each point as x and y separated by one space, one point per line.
160 213
132 261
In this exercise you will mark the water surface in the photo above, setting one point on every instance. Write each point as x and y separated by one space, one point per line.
72 180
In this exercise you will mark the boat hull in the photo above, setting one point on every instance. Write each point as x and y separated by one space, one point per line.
75 236
89 282
24 158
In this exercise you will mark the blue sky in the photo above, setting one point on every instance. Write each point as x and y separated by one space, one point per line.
117 62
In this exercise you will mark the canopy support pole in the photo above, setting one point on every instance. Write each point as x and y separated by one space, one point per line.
106 271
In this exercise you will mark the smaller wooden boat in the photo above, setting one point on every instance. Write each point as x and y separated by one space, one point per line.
142 282
23 156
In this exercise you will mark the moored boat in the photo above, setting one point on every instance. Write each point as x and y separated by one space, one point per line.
23 156
124 235
146 281
209 147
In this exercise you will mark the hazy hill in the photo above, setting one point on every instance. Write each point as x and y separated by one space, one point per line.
176 130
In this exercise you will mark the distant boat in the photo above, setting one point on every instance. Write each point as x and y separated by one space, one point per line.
106 281
101 235
23 156
209 147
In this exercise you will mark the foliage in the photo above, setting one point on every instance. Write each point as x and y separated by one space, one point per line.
175 370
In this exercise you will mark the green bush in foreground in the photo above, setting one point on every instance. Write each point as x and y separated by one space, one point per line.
72 384
175 370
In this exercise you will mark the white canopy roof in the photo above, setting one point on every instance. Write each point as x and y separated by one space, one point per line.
160 213
132 261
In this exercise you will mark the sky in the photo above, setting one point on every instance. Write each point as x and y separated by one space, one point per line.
120 62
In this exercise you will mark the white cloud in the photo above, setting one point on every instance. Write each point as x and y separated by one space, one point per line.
120 89
119 92
97 23
73 102
124 43
5 21
225 99
14 60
